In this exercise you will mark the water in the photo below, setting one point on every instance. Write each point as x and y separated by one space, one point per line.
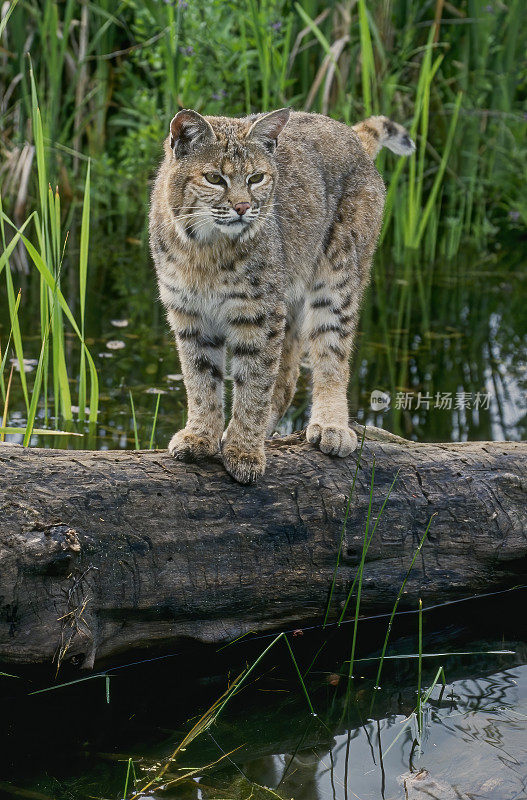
71 743
446 341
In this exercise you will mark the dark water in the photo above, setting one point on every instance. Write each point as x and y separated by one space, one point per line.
72 743
446 340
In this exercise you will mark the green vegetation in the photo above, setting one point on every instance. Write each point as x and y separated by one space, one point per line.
47 258
108 78
88 90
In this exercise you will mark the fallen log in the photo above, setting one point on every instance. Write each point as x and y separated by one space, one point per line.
110 551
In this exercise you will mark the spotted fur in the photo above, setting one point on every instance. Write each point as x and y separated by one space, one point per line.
286 275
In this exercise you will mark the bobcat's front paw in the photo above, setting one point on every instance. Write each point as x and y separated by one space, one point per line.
188 446
333 440
244 466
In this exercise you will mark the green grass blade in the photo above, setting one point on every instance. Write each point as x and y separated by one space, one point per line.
343 531
367 59
246 78
38 431
60 370
394 609
420 668
128 769
403 656
5 20
407 722
151 443
83 279
439 675
6 350
34 397
7 250
237 685
13 307
69 683
440 172
306 693
360 574
263 53
350 593
38 136
136 437
319 36
52 284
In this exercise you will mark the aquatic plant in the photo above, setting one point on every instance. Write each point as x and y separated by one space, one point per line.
108 79
47 259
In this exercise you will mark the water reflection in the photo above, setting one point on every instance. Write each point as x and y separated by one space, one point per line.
445 341
473 747
267 745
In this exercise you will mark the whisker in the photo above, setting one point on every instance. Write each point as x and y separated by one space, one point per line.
198 226
189 210
191 216
198 211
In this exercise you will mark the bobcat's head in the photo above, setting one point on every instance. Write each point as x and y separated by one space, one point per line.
224 173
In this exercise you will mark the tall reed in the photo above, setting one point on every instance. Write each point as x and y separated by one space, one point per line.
47 258
106 94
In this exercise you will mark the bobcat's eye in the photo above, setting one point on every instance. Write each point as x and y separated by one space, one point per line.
214 178
256 178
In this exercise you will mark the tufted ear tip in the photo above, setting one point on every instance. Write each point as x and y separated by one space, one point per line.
265 130
187 130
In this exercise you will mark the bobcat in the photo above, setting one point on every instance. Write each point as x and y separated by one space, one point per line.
262 231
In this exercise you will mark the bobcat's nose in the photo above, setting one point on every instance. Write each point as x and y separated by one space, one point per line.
241 208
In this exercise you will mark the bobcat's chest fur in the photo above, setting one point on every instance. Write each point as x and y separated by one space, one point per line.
220 286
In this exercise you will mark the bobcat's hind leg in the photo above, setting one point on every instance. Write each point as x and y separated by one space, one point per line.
289 367
331 320
333 313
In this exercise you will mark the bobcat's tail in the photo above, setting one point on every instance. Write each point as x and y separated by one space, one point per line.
377 132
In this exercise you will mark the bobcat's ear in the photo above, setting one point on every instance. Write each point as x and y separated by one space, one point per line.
189 129
265 130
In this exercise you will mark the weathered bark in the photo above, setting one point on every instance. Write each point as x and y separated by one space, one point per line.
104 552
